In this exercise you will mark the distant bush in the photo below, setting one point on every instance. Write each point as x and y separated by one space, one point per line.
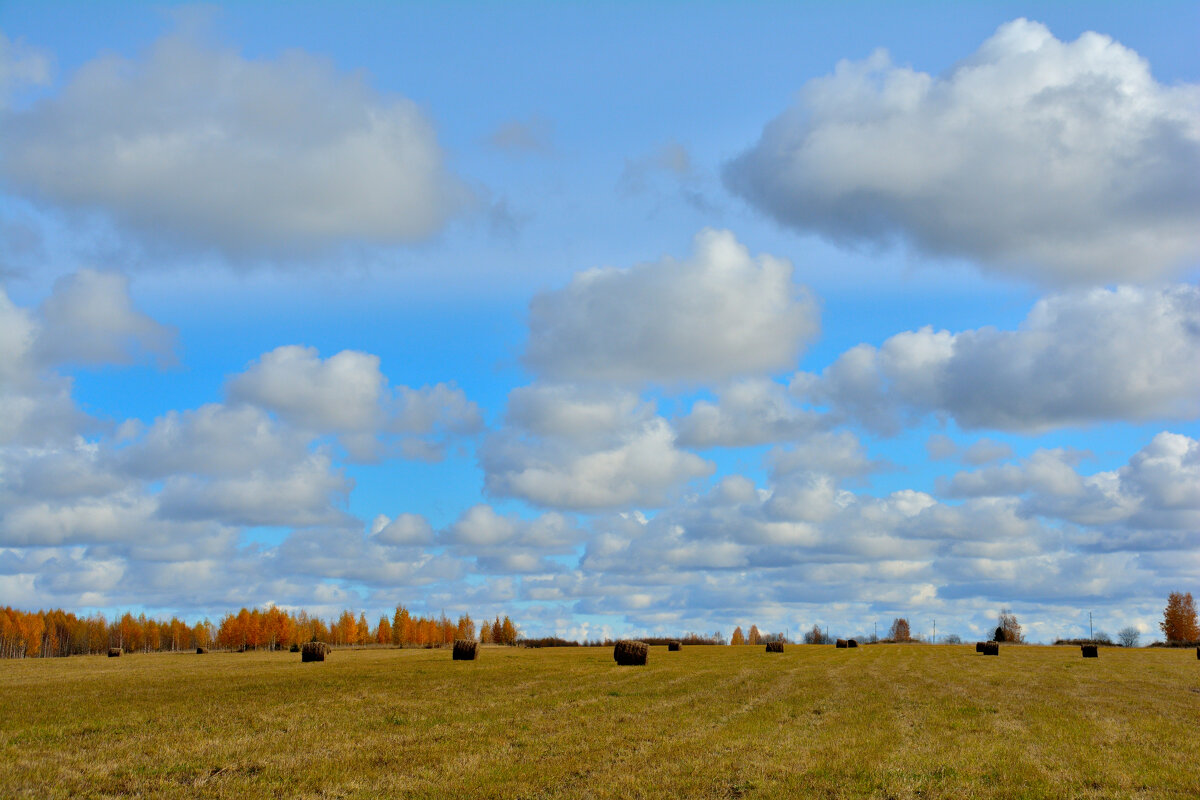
952 638
547 641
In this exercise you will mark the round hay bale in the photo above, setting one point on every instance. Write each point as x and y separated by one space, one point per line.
114 652
314 651
631 654
201 651
979 646
991 648
840 643
852 643
674 647
465 650
774 647
1089 651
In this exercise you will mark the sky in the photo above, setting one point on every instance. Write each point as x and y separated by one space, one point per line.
620 319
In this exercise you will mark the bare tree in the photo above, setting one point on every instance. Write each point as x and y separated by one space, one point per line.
900 631
1128 636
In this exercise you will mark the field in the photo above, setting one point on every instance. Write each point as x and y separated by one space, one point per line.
884 721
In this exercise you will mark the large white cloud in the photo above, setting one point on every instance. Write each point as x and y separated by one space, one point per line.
720 313
573 448
1151 503
748 412
1061 161
90 318
1119 354
347 395
254 157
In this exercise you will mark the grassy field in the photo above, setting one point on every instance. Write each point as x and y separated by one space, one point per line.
884 721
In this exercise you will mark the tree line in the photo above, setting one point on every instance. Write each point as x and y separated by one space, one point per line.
34 634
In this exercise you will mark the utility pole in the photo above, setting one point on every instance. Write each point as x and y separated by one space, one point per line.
876 637
934 632
1089 625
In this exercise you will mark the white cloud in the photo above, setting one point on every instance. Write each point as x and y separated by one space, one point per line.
1153 502
719 314
303 494
252 157
347 395
1065 162
585 450
89 318
213 440
1121 354
748 412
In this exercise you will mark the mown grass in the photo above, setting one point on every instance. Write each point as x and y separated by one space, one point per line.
884 721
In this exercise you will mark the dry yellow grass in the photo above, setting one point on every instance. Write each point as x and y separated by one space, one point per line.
889 721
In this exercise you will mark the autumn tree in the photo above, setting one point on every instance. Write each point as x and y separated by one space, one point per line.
497 631
465 629
755 637
401 627
485 633
1179 618
738 636
1007 627
815 636
383 631
900 631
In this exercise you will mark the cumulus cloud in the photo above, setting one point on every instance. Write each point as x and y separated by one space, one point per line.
571 448
1120 354
510 544
748 412
347 395
719 314
251 157
303 494
90 319
213 440
1065 162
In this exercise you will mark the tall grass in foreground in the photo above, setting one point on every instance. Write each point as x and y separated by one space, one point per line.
880 721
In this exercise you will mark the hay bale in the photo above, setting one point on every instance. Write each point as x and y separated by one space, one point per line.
979 646
774 647
840 643
674 647
631 653
314 651
991 648
201 651
1089 651
465 650
114 652
295 648
852 643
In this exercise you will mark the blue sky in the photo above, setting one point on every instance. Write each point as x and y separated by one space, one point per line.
616 319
